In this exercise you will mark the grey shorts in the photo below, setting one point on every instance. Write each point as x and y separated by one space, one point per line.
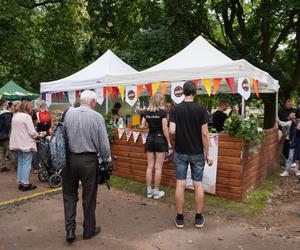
182 161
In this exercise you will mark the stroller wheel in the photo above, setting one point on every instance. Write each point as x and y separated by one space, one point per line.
43 175
55 181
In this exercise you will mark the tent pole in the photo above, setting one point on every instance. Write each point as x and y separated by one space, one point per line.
243 107
106 103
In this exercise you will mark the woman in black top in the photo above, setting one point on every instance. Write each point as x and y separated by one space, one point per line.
157 143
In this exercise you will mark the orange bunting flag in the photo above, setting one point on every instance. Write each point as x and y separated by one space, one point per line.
114 92
139 90
217 82
104 91
196 82
207 85
122 92
108 91
149 88
255 85
230 82
163 87
155 86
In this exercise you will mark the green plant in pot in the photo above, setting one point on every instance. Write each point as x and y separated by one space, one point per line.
247 129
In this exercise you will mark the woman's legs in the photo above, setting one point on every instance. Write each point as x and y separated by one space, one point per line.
20 163
151 162
159 161
26 166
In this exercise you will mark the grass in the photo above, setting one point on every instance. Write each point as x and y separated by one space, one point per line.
251 206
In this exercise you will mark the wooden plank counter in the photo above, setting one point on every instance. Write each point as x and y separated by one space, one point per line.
238 171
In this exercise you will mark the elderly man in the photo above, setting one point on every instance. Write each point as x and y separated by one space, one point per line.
87 138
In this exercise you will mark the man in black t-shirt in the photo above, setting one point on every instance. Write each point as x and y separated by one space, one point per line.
219 117
188 122
284 112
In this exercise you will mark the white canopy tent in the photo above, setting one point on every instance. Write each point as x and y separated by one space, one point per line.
199 60
91 77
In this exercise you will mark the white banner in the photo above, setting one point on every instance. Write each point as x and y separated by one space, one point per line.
120 132
210 172
48 99
100 95
177 92
128 134
72 96
135 136
131 95
144 137
244 88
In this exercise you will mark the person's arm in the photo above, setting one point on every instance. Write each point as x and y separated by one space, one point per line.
143 123
205 140
172 129
30 128
166 131
103 140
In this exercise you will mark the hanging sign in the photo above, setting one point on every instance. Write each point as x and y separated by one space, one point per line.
128 134
131 95
100 95
177 92
48 99
244 88
72 97
144 137
121 132
135 136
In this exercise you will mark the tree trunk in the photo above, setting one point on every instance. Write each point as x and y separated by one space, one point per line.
270 110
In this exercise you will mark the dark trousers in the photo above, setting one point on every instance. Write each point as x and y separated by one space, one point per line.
82 167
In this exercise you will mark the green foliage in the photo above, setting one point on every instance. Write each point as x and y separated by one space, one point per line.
247 129
109 127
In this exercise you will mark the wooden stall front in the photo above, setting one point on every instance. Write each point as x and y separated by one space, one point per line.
238 170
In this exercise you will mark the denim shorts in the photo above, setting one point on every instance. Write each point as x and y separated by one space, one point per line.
182 161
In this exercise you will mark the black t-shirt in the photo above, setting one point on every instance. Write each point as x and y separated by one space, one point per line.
154 120
188 117
284 113
219 119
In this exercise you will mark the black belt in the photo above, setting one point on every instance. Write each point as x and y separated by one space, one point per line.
84 153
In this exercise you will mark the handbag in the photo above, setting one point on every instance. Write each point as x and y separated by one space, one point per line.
104 172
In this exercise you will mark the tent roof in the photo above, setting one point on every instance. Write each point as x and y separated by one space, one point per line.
91 76
199 60
13 91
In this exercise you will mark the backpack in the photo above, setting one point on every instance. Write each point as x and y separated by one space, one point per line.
5 125
58 148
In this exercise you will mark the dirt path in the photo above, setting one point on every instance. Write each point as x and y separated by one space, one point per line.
130 222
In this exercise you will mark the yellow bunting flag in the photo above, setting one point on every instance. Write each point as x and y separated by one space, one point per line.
163 87
122 92
217 82
207 85
155 86
255 85
139 90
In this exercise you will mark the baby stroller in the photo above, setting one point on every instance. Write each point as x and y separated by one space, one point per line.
51 154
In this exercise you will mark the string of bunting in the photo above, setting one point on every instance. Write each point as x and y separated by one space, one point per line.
130 94
135 134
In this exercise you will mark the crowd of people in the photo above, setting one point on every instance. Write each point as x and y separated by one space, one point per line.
181 129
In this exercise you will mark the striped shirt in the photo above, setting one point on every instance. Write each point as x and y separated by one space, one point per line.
86 131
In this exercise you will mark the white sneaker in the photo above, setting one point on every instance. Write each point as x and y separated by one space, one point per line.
294 165
158 195
298 173
284 174
150 194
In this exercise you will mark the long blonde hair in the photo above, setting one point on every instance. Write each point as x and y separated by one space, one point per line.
155 102
15 107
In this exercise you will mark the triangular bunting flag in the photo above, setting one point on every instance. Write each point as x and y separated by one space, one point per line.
53 97
72 97
108 91
255 85
128 134
135 136
155 86
217 82
207 85
244 88
196 82
48 99
77 93
122 92
230 82
114 93
163 87
120 132
149 88
144 137
60 97
100 95
139 90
